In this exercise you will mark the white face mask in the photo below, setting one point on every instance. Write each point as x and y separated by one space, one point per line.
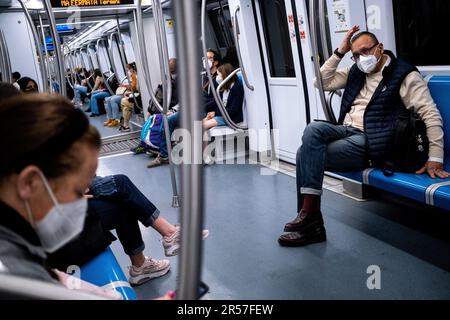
219 79
367 64
61 224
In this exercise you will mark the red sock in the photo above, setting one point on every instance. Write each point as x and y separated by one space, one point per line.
311 203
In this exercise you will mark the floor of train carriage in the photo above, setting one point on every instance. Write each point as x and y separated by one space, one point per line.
246 212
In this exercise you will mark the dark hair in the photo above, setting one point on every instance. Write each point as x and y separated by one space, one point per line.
98 73
365 33
16 75
217 57
226 69
23 83
7 91
132 65
231 57
46 131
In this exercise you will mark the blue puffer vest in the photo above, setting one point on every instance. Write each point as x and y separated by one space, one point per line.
383 110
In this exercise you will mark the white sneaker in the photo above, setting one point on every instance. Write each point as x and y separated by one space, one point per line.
149 270
172 244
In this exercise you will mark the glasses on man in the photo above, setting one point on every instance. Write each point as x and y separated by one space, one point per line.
364 52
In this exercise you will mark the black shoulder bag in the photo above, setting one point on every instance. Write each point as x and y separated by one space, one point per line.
410 145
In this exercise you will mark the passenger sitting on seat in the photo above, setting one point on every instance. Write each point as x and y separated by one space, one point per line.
99 91
214 61
120 205
159 93
127 102
28 85
15 77
389 85
81 87
173 118
232 94
113 103
42 183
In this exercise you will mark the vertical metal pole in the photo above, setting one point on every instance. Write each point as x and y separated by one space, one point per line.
189 53
144 60
315 51
47 63
44 77
57 45
123 59
166 82
323 30
3 54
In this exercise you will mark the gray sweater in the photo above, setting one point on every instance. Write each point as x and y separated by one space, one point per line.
18 254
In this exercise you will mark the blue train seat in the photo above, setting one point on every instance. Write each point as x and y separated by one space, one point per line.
104 271
418 187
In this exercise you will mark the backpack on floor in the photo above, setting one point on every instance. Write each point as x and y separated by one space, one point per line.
151 133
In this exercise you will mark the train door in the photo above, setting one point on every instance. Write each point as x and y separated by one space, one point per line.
288 87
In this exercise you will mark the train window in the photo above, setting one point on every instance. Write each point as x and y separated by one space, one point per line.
279 50
221 22
420 30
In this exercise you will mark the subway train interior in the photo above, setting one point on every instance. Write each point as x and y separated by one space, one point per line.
387 235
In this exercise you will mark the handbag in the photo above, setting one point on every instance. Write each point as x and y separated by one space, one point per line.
410 145
121 91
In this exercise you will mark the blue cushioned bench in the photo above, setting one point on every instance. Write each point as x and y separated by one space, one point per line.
417 187
104 271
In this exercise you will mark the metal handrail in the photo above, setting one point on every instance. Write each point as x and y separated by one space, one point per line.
47 59
323 30
238 50
143 55
83 65
57 45
329 114
220 86
188 52
4 59
44 76
105 81
23 288
111 54
217 98
167 85
123 60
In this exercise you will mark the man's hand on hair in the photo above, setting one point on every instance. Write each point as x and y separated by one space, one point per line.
346 45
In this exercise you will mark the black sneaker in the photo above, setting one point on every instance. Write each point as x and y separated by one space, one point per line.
124 129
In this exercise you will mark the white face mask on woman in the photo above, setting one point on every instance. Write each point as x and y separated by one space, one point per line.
219 78
62 223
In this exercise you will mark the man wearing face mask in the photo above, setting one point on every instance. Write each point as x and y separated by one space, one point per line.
377 87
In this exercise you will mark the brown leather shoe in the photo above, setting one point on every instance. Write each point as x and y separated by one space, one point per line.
297 239
303 220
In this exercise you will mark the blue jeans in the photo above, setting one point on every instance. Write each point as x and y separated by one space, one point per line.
120 205
112 107
220 121
94 100
174 122
80 92
328 147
